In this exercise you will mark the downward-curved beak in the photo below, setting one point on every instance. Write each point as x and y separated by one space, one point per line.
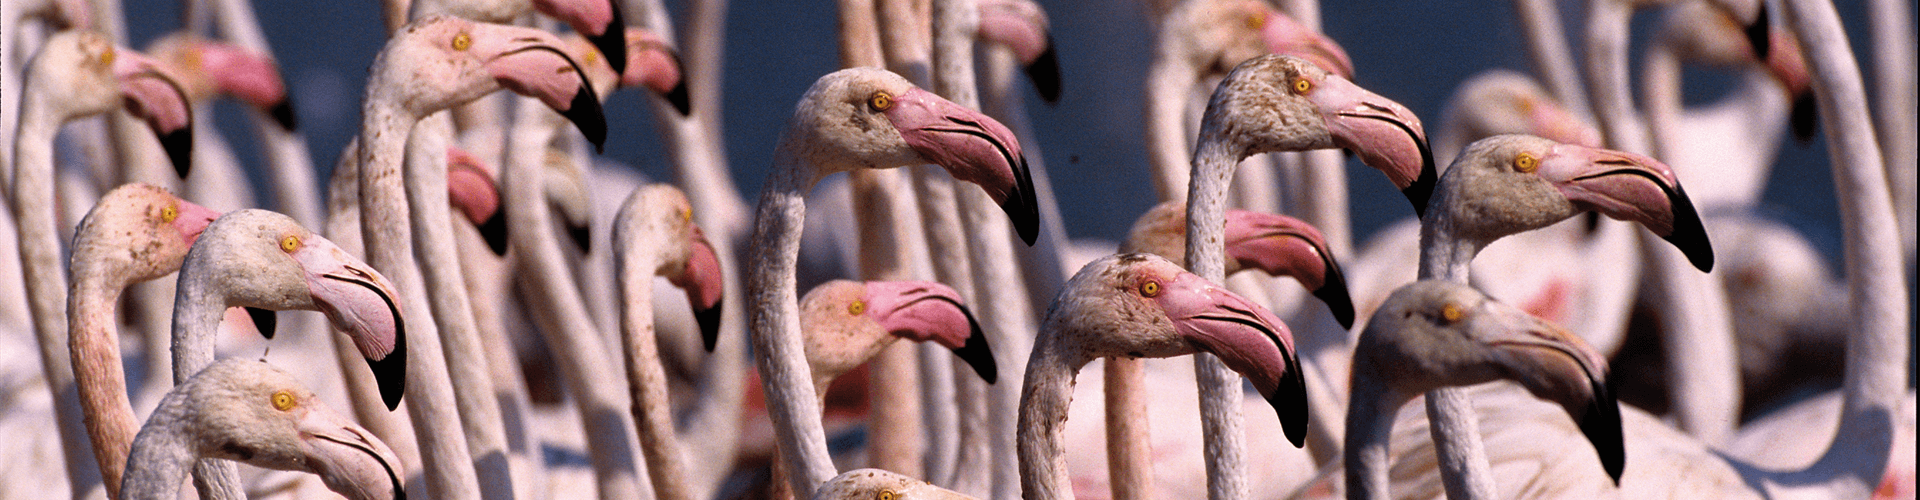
925 311
1285 36
362 303
250 77
972 147
529 62
1385 135
158 97
704 283
1557 365
191 219
350 460
656 66
1022 27
1630 187
1787 63
1285 246
471 190
1248 338
600 21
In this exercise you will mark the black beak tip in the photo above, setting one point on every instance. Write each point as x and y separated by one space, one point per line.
976 352
679 98
612 43
586 115
709 320
263 320
582 237
495 232
1688 234
1757 34
282 114
391 372
1421 189
1020 205
1045 73
1334 294
179 147
1601 425
1289 402
1806 118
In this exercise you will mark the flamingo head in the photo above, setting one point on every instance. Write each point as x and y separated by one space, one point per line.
1436 333
1511 183
141 228
1284 103
440 61
600 21
850 321
1021 25
1143 305
1285 246
263 416
1285 36
214 67
869 484
873 118
83 73
662 213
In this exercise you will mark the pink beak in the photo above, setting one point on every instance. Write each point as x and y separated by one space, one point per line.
248 76
348 458
361 302
925 311
192 220
1022 27
1630 187
1247 337
598 20
158 97
1285 246
704 283
972 147
523 60
1385 135
656 66
1555 364
470 188
1287 37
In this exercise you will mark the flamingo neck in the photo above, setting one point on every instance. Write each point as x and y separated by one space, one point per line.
637 264
1443 255
198 307
1370 413
1214 161
1454 427
95 351
161 454
773 320
383 204
1168 81
1045 394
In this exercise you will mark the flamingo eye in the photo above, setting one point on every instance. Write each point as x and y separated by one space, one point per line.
1451 313
462 41
1150 289
290 243
686 215
881 101
1257 21
1526 163
107 56
1302 86
857 308
590 57
167 215
283 400
886 495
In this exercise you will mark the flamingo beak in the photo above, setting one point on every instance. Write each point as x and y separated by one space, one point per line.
1285 246
471 190
599 21
1044 70
362 303
522 60
159 98
1757 33
1285 36
1023 29
1630 187
657 67
925 311
192 219
703 282
250 77
1557 365
974 148
1385 135
1788 66
1553 121
348 458
1247 337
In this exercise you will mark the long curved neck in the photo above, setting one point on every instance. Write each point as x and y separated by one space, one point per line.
773 318
383 204
1454 427
1044 396
1221 424
1214 161
160 457
1168 82
1370 414
95 350
652 410
198 307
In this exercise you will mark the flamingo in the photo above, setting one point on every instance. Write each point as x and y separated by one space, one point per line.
265 260
1021 25
1439 333
250 411
75 74
1142 305
848 322
1276 244
849 119
862 484
655 235
600 21
210 67
136 232
1281 103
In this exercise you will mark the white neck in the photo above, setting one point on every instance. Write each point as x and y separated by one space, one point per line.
773 318
1214 160
1044 397
95 350
1454 426
636 265
1370 414
160 457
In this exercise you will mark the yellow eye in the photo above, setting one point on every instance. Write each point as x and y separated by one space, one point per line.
1526 163
881 101
290 243
283 400
686 215
106 57
1257 21
1150 289
857 308
1302 86
592 56
462 41
887 495
167 215
1452 313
